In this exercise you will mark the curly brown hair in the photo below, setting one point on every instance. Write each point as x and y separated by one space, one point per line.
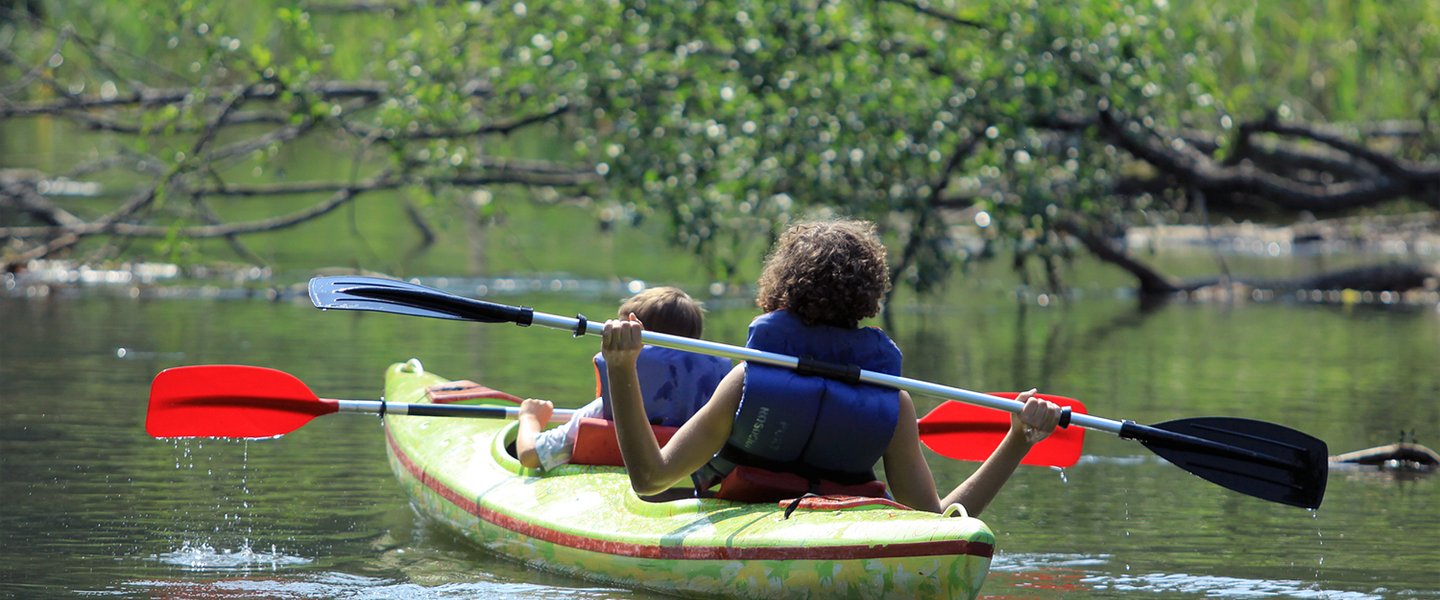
826 273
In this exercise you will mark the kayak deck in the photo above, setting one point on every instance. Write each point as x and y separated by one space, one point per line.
585 521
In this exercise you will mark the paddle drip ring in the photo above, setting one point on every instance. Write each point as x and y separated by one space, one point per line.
581 325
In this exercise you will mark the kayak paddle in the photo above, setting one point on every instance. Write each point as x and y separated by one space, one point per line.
967 432
237 401
1264 460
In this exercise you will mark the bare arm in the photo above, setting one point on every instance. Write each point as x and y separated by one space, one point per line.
912 483
534 414
652 470
1033 423
905 468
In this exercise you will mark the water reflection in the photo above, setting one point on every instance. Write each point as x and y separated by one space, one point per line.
1070 575
1212 586
343 585
97 508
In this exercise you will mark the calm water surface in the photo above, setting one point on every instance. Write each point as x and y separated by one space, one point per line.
95 508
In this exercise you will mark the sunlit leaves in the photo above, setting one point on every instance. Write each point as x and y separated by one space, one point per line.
728 119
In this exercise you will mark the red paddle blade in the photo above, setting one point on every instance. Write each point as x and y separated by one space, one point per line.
967 432
231 401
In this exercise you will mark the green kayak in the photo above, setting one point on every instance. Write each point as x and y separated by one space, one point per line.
584 521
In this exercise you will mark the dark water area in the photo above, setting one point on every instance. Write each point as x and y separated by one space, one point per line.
96 508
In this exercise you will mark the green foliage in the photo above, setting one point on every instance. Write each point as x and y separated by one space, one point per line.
728 120
733 118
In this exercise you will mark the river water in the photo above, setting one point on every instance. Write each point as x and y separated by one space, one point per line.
95 508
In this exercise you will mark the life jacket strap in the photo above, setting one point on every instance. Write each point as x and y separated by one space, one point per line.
732 455
754 484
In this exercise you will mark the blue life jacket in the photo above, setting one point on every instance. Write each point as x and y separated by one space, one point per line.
673 383
817 427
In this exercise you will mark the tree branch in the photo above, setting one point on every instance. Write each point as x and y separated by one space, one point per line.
1198 171
1151 281
925 9
146 98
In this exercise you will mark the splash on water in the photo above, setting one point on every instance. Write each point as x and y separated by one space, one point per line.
204 557
228 520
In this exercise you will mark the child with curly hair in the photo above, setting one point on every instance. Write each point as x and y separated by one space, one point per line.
819 281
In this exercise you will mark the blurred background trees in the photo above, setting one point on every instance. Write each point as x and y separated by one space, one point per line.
1023 129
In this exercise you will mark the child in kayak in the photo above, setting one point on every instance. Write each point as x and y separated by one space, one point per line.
818 282
675 383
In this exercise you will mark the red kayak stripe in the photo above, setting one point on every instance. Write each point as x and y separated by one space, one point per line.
686 552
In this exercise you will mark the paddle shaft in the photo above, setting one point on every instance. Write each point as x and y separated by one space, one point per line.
368 293
842 372
1124 429
560 415
473 411
1261 459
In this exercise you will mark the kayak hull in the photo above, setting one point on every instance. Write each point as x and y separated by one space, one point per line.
585 521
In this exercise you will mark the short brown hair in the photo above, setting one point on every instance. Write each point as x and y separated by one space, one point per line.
666 310
826 273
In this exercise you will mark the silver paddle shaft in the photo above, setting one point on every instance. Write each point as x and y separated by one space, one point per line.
913 386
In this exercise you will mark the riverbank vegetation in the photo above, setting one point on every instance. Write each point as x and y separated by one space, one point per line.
1012 128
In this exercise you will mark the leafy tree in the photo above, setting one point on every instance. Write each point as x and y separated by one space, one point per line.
957 126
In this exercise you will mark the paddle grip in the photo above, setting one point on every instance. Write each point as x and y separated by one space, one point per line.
491 312
454 410
809 365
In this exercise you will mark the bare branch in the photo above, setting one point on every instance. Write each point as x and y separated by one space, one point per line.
21 194
1151 281
97 123
930 209
923 7
36 72
373 133
331 91
1384 163
1198 171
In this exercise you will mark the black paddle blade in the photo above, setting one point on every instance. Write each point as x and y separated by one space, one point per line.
1264 460
405 298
